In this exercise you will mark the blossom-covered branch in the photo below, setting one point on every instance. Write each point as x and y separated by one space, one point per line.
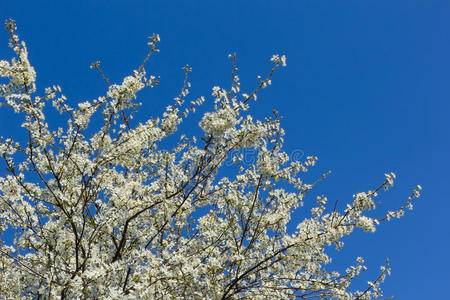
115 212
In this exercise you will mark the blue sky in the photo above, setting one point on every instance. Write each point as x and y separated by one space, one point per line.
367 90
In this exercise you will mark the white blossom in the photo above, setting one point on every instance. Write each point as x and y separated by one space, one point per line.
124 212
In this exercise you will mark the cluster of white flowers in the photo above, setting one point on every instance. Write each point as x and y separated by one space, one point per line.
390 180
124 93
280 60
120 215
216 123
22 76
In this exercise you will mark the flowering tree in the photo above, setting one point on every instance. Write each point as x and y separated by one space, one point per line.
116 213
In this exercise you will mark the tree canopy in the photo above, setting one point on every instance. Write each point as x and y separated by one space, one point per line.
118 212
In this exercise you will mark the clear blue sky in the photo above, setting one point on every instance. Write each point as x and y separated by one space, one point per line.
367 90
